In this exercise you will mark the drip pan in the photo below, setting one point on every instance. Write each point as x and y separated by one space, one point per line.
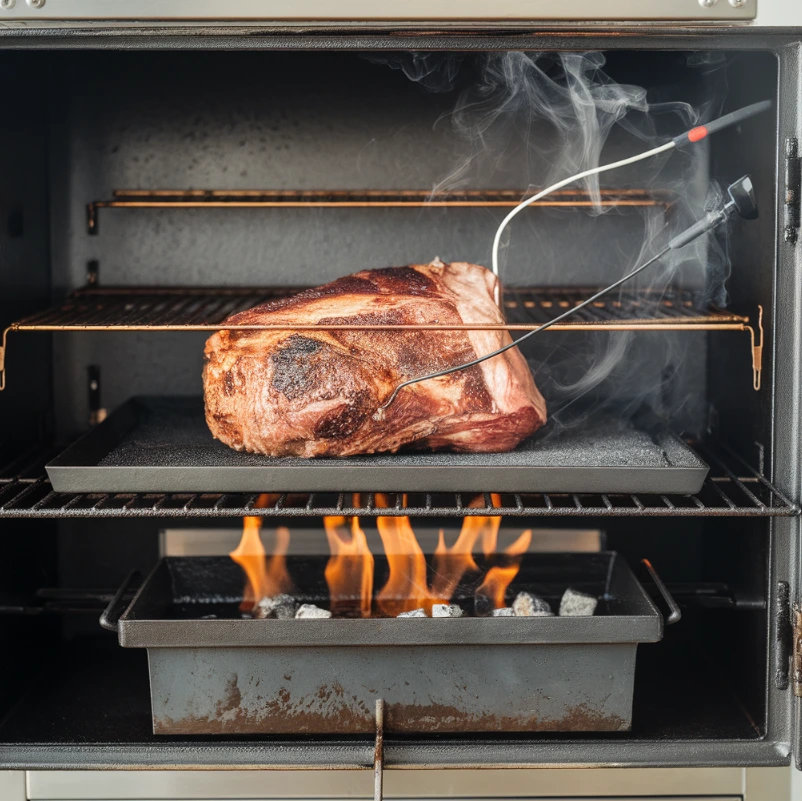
228 675
163 445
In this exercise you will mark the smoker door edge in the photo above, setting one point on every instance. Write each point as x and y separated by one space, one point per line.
584 10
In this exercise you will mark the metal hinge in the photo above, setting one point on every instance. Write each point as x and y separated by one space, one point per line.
796 652
782 639
793 185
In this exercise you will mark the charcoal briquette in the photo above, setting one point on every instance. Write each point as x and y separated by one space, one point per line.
413 613
577 604
446 610
310 611
280 606
482 605
264 608
528 605
505 611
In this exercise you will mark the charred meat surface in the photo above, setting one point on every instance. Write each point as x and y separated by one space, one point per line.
316 393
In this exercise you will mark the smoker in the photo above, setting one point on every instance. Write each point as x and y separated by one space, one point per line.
161 174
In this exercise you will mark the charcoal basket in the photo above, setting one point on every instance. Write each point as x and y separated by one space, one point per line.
213 672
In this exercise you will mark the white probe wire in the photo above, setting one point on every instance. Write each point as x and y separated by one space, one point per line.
496 243
559 185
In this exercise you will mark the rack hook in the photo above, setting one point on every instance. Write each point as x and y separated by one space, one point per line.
757 349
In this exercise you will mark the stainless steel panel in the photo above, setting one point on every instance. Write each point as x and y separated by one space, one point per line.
515 785
582 10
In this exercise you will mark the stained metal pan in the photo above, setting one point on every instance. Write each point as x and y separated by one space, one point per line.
229 675
163 445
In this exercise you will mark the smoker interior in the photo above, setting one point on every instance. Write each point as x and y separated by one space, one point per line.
84 124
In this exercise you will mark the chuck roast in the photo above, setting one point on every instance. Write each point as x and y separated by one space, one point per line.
316 393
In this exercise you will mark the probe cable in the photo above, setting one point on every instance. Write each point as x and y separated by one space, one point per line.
537 330
694 135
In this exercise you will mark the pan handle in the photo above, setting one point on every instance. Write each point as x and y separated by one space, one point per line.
110 619
675 614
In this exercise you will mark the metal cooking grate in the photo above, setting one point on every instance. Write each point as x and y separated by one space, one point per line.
205 309
733 489
201 309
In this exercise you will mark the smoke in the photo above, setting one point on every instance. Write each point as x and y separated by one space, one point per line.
527 120
436 72
551 113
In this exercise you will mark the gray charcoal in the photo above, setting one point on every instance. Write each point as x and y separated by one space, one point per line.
286 606
413 613
482 605
265 608
310 611
528 605
446 610
208 617
577 604
281 606
505 611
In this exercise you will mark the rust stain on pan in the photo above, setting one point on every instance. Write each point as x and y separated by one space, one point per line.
332 710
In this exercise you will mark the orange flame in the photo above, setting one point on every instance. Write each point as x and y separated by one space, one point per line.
451 564
349 571
264 577
488 526
499 578
406 588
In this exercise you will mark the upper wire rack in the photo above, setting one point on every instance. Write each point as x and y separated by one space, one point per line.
364 199
206 309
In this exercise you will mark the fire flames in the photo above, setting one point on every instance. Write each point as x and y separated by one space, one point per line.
499 578
265 576
349 572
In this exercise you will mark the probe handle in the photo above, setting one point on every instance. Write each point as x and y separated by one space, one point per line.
710 220
742 202
733 118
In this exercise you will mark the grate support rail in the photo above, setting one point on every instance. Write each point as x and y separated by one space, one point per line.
361 199
733 489
206 309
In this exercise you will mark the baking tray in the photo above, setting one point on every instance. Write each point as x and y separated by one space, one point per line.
163 445
219 674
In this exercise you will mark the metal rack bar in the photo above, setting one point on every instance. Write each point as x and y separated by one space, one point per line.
725 493
361 199
206 309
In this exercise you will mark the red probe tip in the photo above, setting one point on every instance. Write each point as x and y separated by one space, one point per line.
697 134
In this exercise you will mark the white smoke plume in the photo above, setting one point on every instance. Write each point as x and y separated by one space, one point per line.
527 120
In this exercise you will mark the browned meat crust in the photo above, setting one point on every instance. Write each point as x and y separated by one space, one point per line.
316 393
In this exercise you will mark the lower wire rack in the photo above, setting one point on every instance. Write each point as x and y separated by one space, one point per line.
732 489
